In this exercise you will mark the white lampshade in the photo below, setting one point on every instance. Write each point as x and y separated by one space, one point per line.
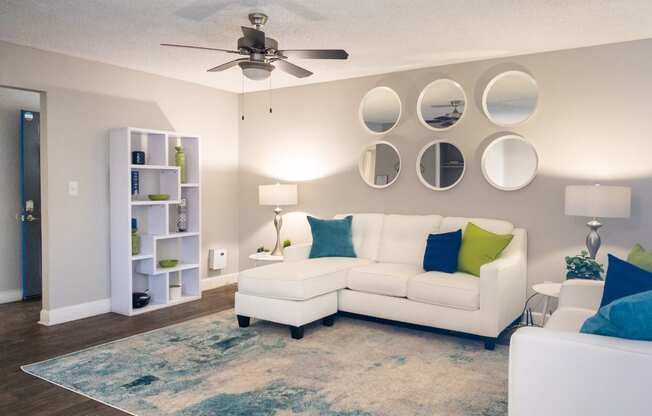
598 201
277 195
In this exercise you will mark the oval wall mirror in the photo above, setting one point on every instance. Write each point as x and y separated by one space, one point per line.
441 104
380 110
510 98
510 162
440 165
379 164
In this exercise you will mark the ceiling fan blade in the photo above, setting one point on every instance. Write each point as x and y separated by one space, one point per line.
254 36
227 65
292 69
315 53
200 47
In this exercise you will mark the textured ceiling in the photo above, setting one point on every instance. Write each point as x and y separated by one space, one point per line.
380 35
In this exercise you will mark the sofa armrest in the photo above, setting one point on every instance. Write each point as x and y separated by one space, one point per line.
503 285
580 293
297 252
569 374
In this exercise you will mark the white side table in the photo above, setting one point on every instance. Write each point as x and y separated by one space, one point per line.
548 290
262 258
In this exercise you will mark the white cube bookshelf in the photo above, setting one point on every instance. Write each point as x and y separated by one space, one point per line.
156 219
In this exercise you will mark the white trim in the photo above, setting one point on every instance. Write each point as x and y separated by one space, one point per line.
218 281
12 295
74 312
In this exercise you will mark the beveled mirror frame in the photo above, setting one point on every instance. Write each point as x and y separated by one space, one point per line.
420 100
400 164
483 163
418 165
361 116
491 83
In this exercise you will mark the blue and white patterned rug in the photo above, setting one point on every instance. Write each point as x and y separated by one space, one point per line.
209 366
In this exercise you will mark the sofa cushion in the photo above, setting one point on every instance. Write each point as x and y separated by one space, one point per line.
624 279
365 230
568 319
454 290
404 237
331 238
480 247
449 224
442 251
382 278
640 257
298 280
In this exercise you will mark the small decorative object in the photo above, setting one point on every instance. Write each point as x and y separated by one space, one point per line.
158 197
167 263
140 299
180 161
277 195
182 217
135 183
138 157
595 201
261 249
287 243
583 266
175 292
135 238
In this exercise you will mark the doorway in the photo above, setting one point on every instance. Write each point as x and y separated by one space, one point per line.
20 180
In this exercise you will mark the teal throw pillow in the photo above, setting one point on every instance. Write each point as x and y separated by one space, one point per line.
331 238
628 317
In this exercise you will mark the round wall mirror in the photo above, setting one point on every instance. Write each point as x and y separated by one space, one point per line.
440 165
380 110
441 104
379 164
510 98
510 163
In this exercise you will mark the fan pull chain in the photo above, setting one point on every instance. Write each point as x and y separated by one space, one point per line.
242 99
270 93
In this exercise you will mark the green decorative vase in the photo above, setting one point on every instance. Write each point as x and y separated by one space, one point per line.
180 159
135 243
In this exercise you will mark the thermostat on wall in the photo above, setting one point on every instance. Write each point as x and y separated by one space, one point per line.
217 258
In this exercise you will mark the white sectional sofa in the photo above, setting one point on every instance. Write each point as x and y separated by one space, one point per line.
559 371
387 280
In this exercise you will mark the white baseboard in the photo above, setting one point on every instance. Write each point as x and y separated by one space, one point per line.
14 295
218 281
74 312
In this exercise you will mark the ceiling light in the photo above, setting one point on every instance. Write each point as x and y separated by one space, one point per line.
256 71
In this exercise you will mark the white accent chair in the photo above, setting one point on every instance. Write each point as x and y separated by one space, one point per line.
387 280
558 371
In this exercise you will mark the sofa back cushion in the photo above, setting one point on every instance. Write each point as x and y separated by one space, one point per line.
449 224
366 230
403 239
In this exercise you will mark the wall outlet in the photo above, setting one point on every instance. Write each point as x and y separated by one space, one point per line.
73 188
217 258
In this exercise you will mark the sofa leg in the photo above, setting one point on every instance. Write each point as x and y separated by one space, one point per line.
329 320
243 321
296 332
489 344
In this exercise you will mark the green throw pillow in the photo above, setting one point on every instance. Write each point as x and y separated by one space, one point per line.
480 247
640 257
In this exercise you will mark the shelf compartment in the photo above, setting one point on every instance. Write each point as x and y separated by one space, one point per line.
191 196
191 149
150 142
152 220
158 182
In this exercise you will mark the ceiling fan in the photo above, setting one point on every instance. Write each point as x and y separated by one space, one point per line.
263 55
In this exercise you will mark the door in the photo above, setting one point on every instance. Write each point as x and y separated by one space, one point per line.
30 193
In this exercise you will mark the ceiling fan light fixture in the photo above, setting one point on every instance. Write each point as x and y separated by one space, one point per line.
256 71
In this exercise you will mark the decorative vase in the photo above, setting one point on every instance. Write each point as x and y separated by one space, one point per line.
135 238
182 218
180 159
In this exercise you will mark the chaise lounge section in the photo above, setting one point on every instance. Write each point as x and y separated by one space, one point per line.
387 280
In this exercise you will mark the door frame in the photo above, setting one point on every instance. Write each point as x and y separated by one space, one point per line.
43 110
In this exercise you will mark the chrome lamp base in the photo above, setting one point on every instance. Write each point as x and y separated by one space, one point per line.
593 240
278 223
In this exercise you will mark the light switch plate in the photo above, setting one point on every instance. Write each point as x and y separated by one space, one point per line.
73 188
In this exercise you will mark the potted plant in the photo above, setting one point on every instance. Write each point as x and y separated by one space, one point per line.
287 243
582 266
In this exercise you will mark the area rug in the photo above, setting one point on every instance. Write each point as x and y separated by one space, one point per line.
209 366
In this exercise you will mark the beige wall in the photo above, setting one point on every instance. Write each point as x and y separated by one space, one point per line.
83 101
593 124
11 103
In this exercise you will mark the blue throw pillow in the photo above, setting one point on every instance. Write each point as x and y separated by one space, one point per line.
624 279
331 238
629 317
442 251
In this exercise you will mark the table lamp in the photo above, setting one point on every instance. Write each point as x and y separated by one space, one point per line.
277 195
596 201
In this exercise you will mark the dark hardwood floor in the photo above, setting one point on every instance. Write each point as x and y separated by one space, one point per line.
23 341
